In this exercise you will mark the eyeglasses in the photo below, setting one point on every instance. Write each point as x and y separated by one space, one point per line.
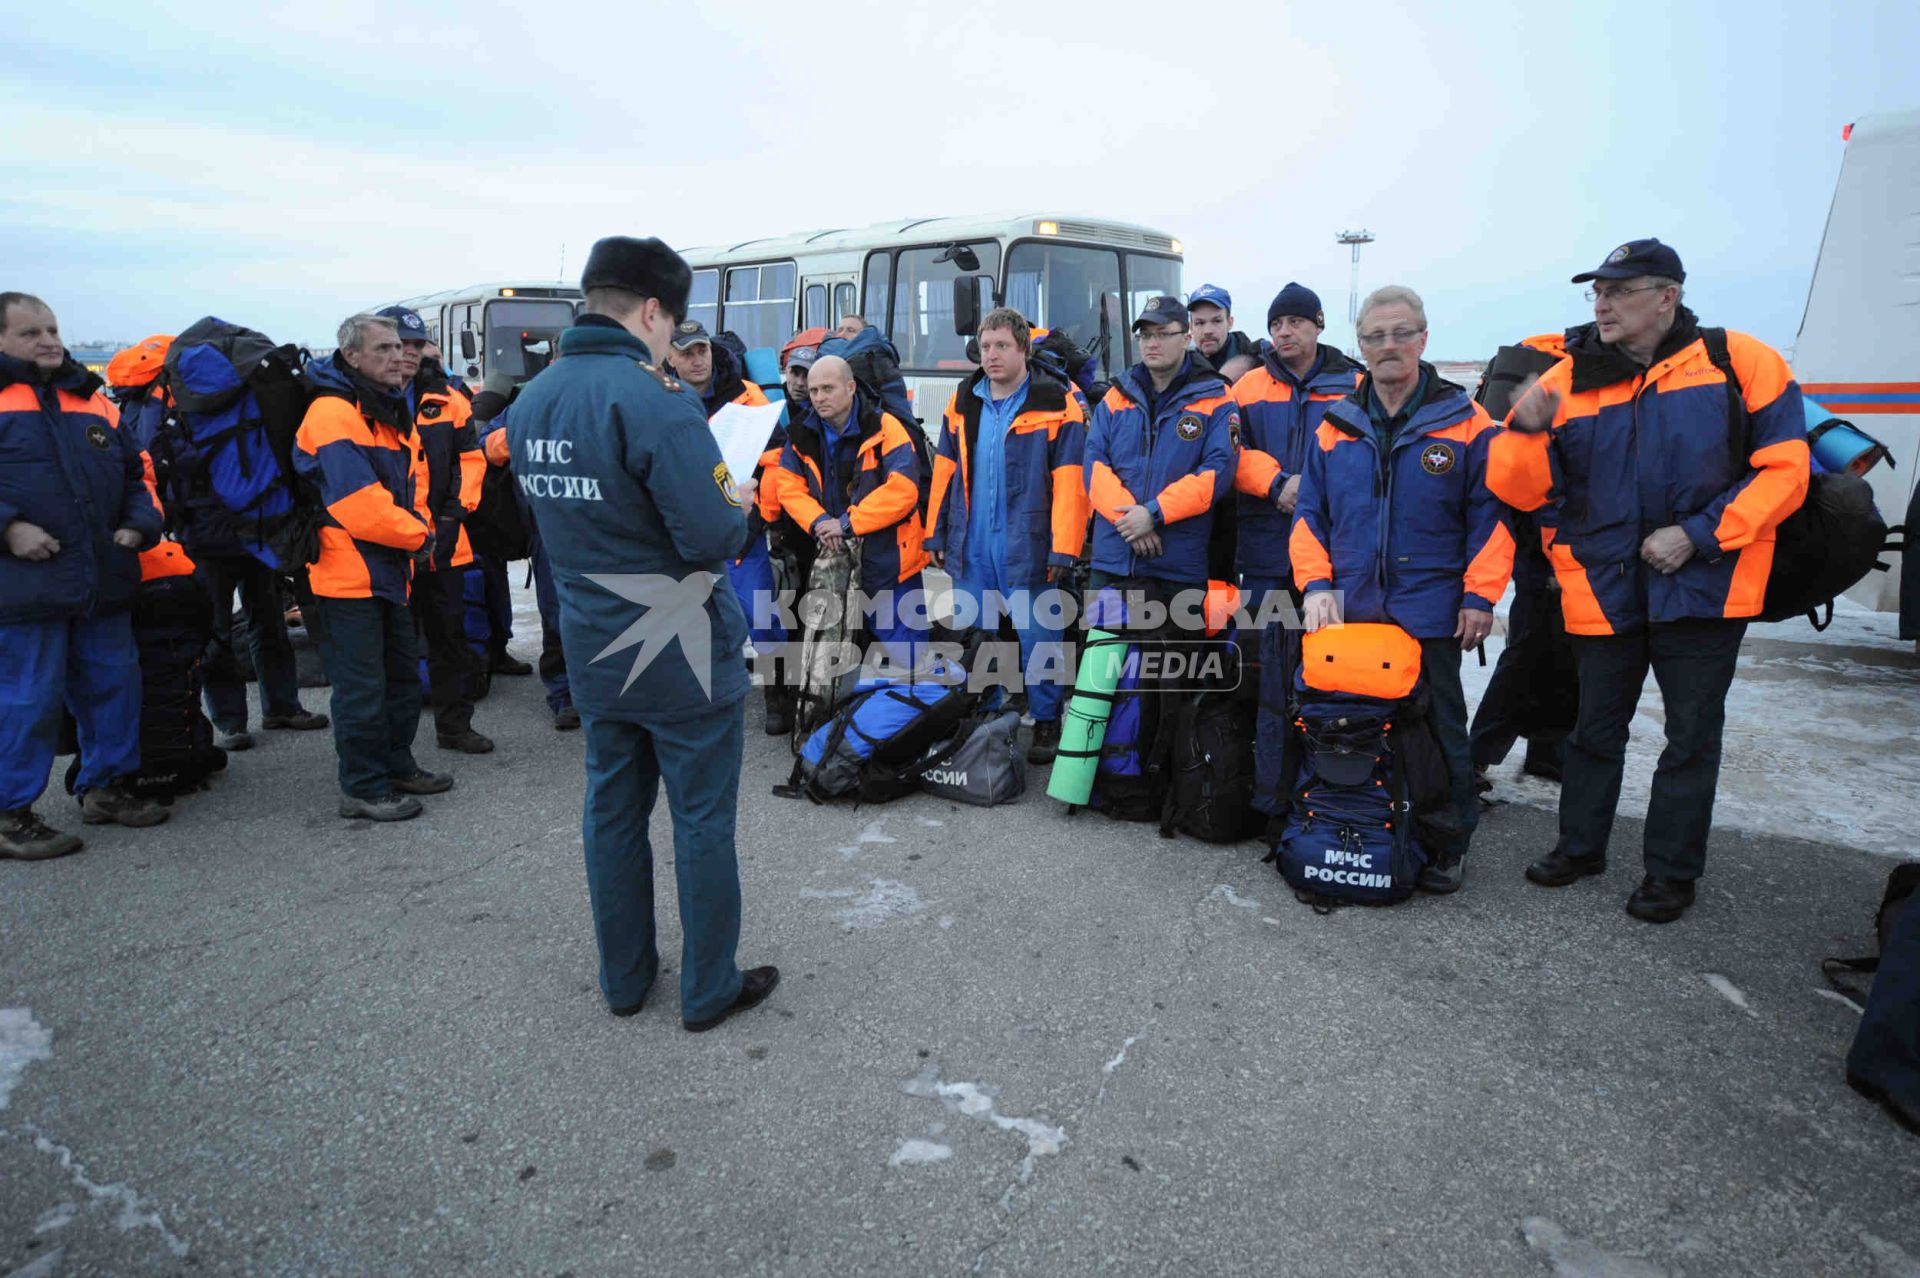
1146 335
1399 336
1615 294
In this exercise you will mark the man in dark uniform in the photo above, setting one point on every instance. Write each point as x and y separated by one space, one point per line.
639 516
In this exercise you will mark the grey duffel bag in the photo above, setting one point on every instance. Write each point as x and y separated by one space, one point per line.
985 767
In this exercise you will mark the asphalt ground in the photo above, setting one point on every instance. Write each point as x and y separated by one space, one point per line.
1007 1041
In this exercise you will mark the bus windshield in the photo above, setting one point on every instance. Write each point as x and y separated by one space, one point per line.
1059 286
523 335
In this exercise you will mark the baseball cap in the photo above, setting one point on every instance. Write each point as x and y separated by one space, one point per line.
690 333
1162 310
412 327
1211 295
1634 259
802 356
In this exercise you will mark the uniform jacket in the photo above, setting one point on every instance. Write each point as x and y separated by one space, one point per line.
358 449
1278 416
1412 537
1046 489
66 466
878 478
443 425
1631 450
1177 462
630 494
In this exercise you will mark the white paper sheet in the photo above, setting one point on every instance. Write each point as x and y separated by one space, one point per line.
742 433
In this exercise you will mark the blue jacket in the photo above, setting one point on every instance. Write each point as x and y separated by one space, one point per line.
1632 450
1046 494
1177 462
632 499
66 466
1279 415
1412 537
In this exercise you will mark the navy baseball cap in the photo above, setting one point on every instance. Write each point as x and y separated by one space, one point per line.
1634 259
1211 295
412 327
690 333
1162 310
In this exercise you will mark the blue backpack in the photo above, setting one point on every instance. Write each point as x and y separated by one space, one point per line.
1350 837
223 450
882 737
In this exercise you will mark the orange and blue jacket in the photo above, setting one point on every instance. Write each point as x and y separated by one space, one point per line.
444 430
1631 451
875 487
1279 414
358 451
1046 487
66 466
1411 536
1173 454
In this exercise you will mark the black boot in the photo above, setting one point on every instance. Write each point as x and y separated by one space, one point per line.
1659 900
779 710
1557 869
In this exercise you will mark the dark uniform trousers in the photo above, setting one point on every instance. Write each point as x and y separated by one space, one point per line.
1885 1057
1693 661
1440 662
698 758
267 642
368 648
439 605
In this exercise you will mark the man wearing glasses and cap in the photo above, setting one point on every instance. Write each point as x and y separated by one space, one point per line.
1660 531
1210 314
639 515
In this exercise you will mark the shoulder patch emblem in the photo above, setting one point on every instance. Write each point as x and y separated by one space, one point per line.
429 411
98 437
723 480
1189 427
1438 457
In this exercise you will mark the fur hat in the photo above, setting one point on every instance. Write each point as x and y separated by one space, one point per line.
647 267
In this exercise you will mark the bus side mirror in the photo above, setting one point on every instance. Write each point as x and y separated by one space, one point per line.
468 348
966 305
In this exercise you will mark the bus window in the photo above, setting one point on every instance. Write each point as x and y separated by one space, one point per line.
879 288
1148 278
522 335
813 307
922 327
759 306
703 302
843 301
1059 286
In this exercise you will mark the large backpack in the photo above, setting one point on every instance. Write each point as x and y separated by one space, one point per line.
225 448
876 370
882 738
1821 549
1210 766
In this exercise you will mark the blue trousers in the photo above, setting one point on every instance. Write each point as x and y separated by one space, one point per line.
553 657
1440 661
266 639
699 760
372 663
752 578
895 627
90 665
1042 676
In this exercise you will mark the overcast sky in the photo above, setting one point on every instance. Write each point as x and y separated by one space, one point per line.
283 168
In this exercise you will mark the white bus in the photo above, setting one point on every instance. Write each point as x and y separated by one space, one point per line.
925 283
1858 353
512 327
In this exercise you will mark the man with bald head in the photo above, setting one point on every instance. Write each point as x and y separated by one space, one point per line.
849 470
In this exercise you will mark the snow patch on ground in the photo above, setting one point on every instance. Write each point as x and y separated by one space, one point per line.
1842 999
1891 1259
882 903
23 1041
1577 1258
58 1217
1729 991
134 1212
45 1267
874 834
914 1153
1823 730
1226 893
976 1102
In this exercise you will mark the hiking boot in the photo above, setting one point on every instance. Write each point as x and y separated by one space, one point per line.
112 804
755 984
422 781
505 663
566 719
1482 783
1046 741
231 741
468 742
1444 874
298 721
1557 869
779 712
388 807
1543 766
1659 900
25 837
